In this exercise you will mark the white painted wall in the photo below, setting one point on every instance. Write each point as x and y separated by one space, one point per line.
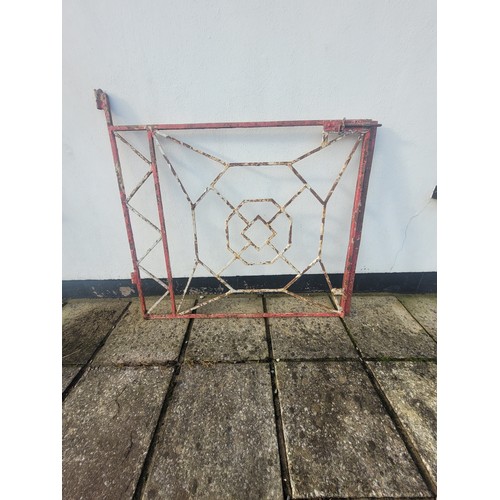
195 61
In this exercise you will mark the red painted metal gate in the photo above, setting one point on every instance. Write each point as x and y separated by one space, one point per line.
363 131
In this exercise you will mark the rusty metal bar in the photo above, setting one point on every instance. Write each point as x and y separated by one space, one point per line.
358 211
103 104
331 314
328 125
161 217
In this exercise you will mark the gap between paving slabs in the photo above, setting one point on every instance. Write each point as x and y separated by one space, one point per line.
68 374
382 328
410 387
402 429
139 342
230 447
339 438
86 324
423 307
108 420
146 467
283 455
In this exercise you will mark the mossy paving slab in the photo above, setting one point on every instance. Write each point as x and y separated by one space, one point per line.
340 441
383 328
219 436
137 341
85 323
411 389
424 308
68 374
108 423
307 337
229 339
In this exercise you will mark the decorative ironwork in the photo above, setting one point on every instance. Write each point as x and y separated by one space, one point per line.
257 231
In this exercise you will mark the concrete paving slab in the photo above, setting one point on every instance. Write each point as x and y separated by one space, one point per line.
219 436
315 302
232 339
108 422
68 374
423 307
165 304
85 323
309 337
232 304
383 328
137 341
411 389
340 441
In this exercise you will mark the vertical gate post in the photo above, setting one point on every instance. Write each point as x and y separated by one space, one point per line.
161 216
103 104
358 211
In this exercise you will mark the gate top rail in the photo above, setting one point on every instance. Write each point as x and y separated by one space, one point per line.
328 125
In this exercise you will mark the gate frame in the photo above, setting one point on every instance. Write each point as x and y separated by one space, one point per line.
367 127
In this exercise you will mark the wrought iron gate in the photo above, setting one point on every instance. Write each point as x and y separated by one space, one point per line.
256 231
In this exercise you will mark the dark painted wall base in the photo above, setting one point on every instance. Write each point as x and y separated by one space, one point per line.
424 282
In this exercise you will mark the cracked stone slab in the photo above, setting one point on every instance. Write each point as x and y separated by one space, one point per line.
340 441
229 339
424 308
137 341
219 436
108 422
411 389
85 323
383 328
68 374
308 337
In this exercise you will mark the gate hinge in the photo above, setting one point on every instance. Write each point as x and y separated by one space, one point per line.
100 98
334 126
